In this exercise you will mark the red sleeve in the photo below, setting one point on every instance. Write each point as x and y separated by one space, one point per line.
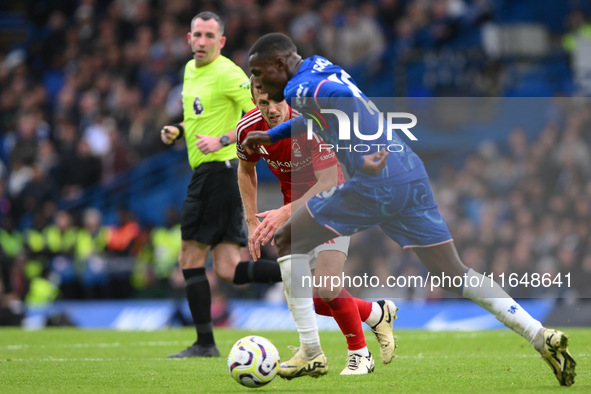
249 122
322 156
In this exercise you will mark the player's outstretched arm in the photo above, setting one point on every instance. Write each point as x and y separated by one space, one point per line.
254 139
172 132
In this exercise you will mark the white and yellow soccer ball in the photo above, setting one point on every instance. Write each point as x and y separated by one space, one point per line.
253 361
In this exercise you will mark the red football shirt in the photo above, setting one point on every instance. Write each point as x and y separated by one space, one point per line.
292 160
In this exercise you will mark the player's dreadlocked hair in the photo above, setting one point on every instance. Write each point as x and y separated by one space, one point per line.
273 44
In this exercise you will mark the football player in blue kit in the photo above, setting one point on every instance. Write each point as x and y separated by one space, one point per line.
387 188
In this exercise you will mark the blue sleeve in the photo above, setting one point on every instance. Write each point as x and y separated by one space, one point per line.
281 131
287 129
357 162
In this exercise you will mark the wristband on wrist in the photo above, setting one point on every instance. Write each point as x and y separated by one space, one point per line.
181 130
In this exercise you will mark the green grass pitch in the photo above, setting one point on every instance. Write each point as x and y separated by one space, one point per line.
93 361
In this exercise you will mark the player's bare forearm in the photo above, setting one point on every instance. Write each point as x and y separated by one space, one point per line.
326 179
247 183
232 136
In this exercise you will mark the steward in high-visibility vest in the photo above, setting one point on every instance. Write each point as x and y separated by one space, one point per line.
61 240
36 248
41 291
91 238
569 40
90 243
89 252
11 240
11 245
167 245
61 236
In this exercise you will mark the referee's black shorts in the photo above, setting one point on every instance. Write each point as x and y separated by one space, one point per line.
212 211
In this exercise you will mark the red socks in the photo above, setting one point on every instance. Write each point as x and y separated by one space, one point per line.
323 309
320 306
363 306
348 312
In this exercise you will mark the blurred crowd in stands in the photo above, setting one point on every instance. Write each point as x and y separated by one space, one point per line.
86 85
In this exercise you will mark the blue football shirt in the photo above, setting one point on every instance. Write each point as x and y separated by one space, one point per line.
318 86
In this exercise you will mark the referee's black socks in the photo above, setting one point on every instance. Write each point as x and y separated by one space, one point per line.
199 299
260 271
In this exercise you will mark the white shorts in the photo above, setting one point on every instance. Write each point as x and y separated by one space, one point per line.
340 244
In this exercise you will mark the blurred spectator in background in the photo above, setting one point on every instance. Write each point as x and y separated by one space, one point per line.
79 172
145 120
89 255
39 190
36 252
48 160
61 237
11 307
361 38
124 243
166 244
121 239
119 158
578 27
42 292
26 143
12 244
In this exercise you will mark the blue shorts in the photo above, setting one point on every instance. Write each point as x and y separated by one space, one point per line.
406 212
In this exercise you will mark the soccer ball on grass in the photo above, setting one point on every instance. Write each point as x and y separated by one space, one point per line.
253 361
